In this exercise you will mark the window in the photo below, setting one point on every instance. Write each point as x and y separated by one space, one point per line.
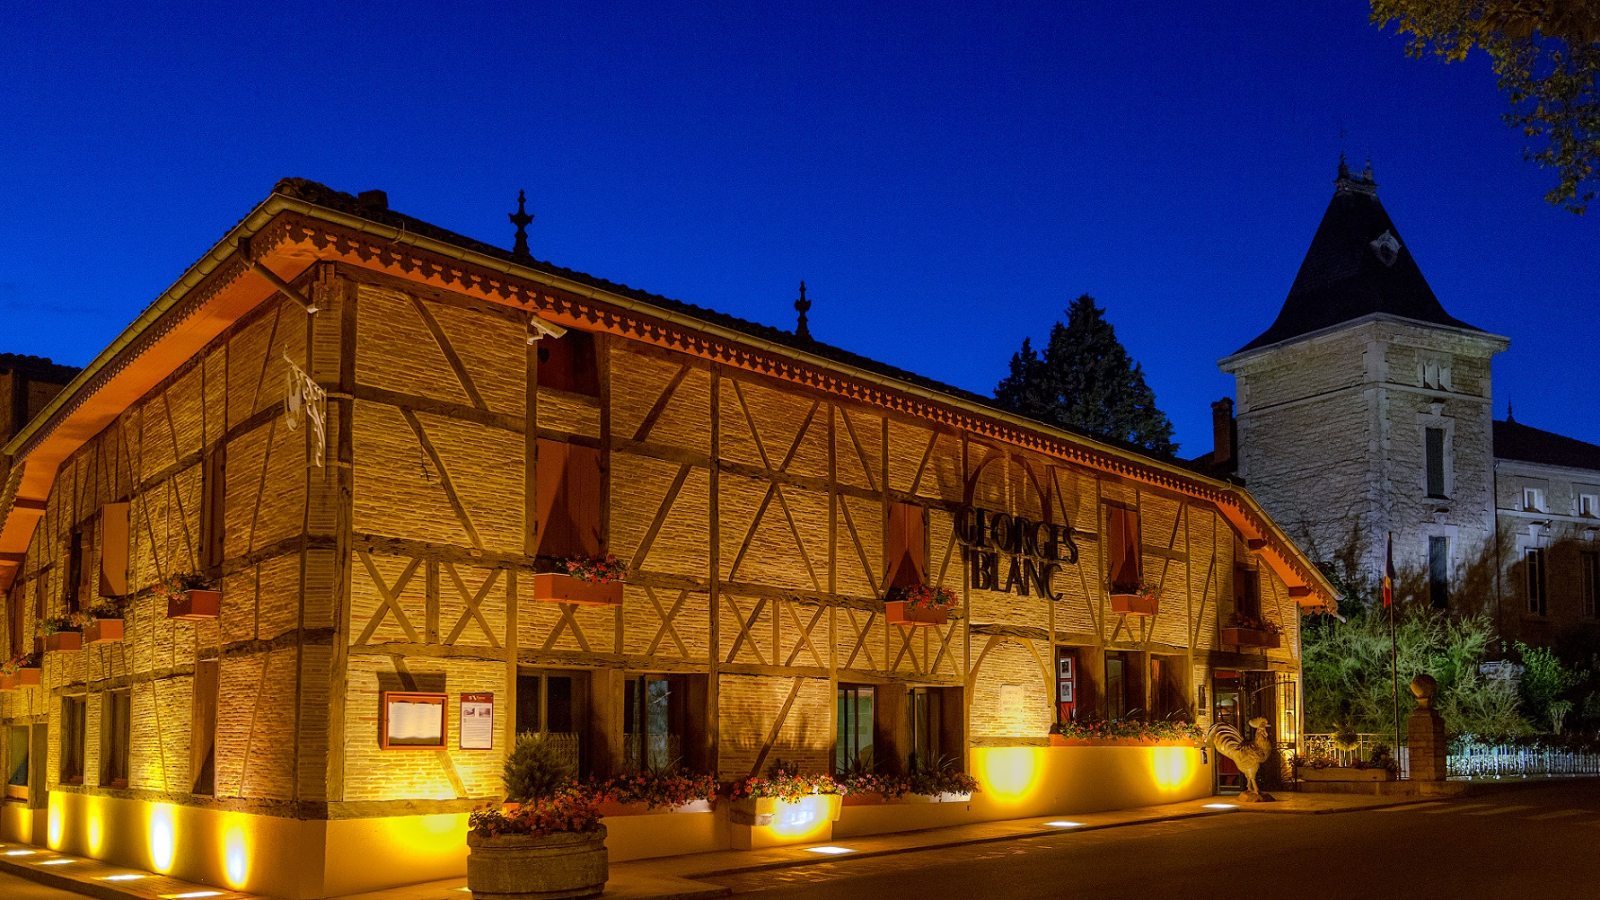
853 739
1123 551
1589 582
1589 505
905 546
1124 691
1536 577
17 738
1533 499
74 596
655 716
568 363
1439 572
116 733
203 727
213 483
556 704
1435 451
569 500
1169 694
74 726
1247 593
935 718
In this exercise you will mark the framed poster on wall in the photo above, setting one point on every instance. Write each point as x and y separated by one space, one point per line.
411 721
477 722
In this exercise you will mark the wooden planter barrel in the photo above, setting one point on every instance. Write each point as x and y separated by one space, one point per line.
195 606
103 631
525 867
63 640
1250 637
552 587
900 612
1134 605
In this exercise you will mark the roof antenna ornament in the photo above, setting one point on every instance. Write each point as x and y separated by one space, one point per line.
521 218
802 306
1511 415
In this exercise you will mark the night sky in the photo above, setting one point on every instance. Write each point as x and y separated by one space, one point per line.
945 177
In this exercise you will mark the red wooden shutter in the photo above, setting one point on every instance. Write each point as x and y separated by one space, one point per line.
583 499
569 500
114 550
1123 561
555 529
905 546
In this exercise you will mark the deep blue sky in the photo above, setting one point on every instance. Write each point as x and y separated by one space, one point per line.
945 177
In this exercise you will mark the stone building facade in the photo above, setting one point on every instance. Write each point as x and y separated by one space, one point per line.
384 491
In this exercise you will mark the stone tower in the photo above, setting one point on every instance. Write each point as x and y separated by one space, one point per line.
1365 410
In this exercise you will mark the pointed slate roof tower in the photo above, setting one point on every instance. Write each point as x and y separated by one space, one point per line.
1357 265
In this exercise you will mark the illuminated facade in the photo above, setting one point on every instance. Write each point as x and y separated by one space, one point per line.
383 490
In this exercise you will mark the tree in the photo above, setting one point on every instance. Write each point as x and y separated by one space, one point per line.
1547 56
1086 381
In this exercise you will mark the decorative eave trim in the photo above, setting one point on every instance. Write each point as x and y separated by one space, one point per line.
281 220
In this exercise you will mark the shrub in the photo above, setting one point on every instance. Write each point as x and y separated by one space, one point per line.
536 770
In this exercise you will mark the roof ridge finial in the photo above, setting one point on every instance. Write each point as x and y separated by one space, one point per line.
1366 174
521 218
1344 168
1511 416
802 306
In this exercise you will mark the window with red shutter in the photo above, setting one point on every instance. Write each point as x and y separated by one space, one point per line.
905 546
568 363
1122 548
569 500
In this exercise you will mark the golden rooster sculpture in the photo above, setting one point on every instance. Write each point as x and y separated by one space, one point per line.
1248 757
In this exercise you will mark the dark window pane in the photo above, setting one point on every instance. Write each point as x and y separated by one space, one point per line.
1435 448
1439 572
558 699
528 702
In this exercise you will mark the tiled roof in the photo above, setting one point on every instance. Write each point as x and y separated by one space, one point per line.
1516 441
1352 270
368 206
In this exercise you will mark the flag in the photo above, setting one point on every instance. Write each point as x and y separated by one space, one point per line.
1388 574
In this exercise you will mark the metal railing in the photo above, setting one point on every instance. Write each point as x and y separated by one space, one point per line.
1475 760
1313 746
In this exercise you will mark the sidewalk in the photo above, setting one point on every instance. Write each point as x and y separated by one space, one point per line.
677 877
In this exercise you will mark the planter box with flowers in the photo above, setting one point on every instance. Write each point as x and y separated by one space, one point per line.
188 598
648 793
782 809
105 623
923 786
918 605
1246 631
1135 600
1125 733
595 581
63 632
20 671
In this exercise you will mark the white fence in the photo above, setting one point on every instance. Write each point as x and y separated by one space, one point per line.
1467 759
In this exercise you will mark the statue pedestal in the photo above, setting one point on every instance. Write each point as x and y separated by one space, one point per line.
1425 735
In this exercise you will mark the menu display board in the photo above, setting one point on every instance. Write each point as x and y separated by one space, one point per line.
411 721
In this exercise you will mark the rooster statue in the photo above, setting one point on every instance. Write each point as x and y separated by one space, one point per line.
1248 757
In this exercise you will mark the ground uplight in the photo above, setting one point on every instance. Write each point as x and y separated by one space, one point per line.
830 851
1063 823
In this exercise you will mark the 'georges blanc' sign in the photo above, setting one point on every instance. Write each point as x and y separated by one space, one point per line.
1033 551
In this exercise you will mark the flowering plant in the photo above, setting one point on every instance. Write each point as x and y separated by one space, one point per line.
920 596
596 569
941 781
19 662
562 814
104 608
73 621
1147 590
654 789
1251 623
779 783
1095 729
873 783
178 585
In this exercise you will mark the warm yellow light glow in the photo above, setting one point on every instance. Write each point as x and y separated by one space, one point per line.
1010 774
127 876
1064 824
19 852
1173 766
55 862
441 824
829 851
97 829
191 895
235 854
810 818
56 818
1220 806
163 840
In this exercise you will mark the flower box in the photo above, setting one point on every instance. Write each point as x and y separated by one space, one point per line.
1134 604
1251 637
900 612
103 631
195 605
1057 740
552 587
1344 773
612 808
8 683
29 677
63 640
764 811
564 864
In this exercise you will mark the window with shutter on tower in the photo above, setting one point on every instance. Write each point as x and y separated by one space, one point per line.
1123 561
569 364
569 500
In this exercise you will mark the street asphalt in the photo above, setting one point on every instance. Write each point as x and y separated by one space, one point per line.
1542 842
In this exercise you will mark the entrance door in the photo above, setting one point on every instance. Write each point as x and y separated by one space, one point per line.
1227 698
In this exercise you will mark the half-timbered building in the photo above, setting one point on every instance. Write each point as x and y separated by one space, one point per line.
378 440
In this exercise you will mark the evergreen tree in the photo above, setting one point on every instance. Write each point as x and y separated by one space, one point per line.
1086 381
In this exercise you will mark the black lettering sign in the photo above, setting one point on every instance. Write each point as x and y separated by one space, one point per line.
1035 551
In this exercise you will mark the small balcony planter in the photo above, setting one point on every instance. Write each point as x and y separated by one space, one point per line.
29 677
615 808
63 641
1251 637
189 598
19 672
195 605
8 683
103 631
1135 599
585 581
918 605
